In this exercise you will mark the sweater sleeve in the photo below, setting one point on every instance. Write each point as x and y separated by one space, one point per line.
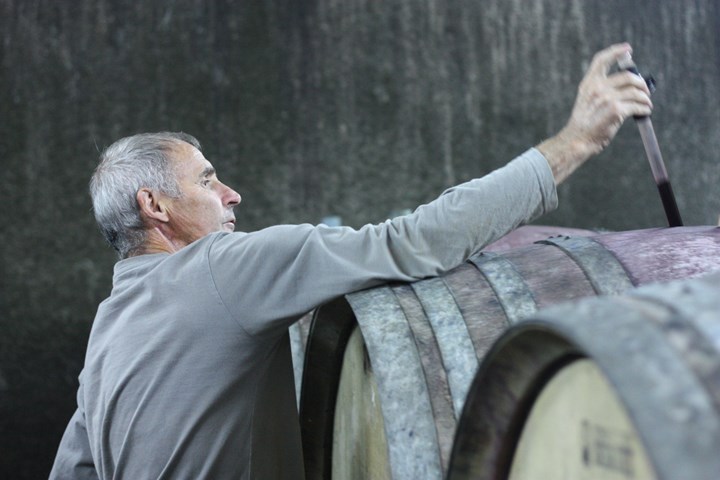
74 460
267 279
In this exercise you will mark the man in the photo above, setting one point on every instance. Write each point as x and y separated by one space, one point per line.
188 370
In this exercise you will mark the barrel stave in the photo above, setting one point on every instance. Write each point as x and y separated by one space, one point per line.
435 375
476 299
552 275
412 440
329 334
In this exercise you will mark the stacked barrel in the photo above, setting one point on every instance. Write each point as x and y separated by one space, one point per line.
625 387
476 374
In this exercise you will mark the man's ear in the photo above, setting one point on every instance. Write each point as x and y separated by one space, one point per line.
152 206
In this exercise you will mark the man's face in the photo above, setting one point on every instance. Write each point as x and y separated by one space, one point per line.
205 205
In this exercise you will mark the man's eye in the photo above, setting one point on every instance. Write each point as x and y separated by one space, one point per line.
205 182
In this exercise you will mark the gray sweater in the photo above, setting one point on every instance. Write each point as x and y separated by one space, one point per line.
188 372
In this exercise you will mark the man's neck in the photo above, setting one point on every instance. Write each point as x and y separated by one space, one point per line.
158 242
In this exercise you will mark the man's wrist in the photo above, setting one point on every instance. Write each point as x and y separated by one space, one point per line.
565 152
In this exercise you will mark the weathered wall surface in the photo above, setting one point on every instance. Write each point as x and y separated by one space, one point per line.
346 107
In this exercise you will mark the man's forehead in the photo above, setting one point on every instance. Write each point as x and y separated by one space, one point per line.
201 161
191 160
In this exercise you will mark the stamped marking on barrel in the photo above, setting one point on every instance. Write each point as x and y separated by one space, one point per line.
602 269
607 448
509 286
579 430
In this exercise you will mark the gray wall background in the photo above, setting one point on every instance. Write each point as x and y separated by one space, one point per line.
346 107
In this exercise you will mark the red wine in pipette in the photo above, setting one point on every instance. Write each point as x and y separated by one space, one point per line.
669 204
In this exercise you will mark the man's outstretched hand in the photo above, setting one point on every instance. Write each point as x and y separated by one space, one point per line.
602 104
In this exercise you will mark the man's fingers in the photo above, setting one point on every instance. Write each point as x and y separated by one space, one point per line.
624 102
605 59
627 79
631 94
635 109
611 92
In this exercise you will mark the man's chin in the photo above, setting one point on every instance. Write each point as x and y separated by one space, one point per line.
229 227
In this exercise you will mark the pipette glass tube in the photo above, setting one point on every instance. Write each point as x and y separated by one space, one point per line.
652 150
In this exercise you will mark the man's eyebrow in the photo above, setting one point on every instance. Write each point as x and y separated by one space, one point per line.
207 172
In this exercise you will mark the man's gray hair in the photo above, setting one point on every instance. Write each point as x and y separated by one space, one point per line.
126 166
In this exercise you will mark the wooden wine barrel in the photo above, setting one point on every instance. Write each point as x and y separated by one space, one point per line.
524 235
606 388
386 398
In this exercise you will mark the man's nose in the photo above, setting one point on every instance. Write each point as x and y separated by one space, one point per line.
232 198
